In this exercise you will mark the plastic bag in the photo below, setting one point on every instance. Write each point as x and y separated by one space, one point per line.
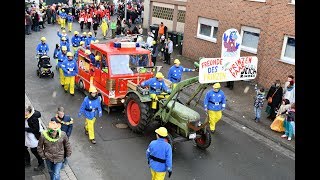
277 124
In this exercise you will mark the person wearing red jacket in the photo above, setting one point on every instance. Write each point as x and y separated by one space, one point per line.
81 19
89 21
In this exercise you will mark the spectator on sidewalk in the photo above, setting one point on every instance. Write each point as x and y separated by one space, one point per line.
66 125
155 52
113 27
277 124
169 51
290 78
214 104
161 30
274 98
32 134
289 123
258 103
290 92
28 24
53 145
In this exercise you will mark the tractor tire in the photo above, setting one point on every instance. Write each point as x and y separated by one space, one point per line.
38 73
169 140
137 113
81 85
204 141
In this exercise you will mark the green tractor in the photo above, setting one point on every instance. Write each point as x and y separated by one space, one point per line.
182 122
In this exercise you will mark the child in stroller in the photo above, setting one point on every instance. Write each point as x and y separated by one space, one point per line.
44 67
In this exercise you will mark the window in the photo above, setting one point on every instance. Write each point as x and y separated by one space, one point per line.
250 39
207 29
127 64
288 50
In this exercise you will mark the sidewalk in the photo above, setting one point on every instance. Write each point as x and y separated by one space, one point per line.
239 104
30 174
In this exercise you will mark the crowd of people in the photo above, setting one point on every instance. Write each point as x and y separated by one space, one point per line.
44 143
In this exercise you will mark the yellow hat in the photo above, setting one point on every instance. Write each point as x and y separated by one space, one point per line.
216 86
54 126
84 33
64 48
89 33
176 61
70 13
81 42
43 39
92 89
98 58
162 131
154 42
62 10
76 32
69 54
87 52
159 75
63 31
63 38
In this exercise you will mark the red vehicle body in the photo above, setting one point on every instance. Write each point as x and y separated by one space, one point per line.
117 66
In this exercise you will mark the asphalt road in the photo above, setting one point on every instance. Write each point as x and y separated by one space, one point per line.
120 154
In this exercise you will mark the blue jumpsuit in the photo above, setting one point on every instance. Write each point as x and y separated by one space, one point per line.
90 107
215 103
162 150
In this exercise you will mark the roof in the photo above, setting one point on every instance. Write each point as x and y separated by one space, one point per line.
108 48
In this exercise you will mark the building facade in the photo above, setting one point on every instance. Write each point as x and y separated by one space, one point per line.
267 28
170 12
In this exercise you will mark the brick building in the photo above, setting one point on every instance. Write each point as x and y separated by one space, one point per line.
267 28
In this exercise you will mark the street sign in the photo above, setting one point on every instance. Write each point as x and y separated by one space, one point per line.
231 43
224 69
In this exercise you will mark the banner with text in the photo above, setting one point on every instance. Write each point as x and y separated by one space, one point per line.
213 70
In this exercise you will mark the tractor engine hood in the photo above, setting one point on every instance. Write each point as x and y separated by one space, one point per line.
181 112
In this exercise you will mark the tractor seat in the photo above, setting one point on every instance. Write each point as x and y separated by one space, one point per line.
182 112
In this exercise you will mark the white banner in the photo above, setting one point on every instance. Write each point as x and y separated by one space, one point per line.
231 43
213 70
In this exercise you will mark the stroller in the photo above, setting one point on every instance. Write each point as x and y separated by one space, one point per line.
44 67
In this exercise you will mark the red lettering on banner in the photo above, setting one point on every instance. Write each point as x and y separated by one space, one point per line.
211 62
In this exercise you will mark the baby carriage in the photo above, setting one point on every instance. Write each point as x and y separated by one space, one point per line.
44 67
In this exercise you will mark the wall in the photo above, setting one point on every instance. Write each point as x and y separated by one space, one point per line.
274 18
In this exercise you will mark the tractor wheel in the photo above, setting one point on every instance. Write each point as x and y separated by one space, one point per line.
169 140
38 73
81 85
204 141
137 113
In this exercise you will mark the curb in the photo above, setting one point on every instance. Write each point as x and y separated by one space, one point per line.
66 173
260 132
